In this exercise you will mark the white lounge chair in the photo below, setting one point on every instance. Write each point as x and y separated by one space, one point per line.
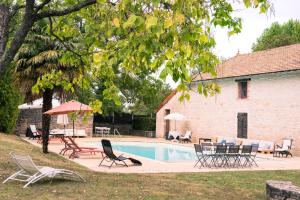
35 132
30 173
173 135
187 137
284 149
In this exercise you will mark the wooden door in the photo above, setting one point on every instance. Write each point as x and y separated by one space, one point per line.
242 125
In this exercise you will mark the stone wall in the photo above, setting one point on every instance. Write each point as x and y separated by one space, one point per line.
34 116
282 190
273 107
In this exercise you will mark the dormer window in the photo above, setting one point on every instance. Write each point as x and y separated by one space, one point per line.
243 88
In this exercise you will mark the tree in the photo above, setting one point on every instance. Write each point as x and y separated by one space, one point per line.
175 34
39 54
130 36
278 35
143 94
18 17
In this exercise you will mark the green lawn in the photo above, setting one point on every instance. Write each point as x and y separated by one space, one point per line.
221 185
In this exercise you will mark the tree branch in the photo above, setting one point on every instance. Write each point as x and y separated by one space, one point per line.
62 42
71 9
15 9
41 6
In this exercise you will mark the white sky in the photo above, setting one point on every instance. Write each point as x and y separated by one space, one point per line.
253 26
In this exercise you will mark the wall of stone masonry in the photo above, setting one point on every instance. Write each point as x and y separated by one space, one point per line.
34 116
273 107
282 190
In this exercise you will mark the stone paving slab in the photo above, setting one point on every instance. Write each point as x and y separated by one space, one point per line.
264 161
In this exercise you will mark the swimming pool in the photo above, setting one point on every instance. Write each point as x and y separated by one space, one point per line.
156 151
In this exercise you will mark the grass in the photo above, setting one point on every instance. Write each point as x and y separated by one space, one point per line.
217 185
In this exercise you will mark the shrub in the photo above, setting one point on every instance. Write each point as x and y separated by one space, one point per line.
10 98
144 123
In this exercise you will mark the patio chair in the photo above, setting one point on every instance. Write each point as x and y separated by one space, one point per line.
111 157
253 154
35 133
219 159
71 145
31 173
233 155
201 155
284 149
187 137
245 155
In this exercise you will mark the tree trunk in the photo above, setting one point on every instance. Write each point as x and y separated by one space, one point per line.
4 25
46 119
19 37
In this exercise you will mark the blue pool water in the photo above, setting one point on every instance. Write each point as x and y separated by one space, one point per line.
156 151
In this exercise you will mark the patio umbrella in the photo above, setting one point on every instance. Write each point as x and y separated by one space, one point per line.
175 117
69 107
63 119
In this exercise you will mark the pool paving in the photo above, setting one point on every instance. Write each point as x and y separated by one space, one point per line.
264 161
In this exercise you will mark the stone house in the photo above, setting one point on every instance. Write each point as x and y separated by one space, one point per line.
259 99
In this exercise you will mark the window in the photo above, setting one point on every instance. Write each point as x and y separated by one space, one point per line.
243 89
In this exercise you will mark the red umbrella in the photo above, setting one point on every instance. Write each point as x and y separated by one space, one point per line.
69 107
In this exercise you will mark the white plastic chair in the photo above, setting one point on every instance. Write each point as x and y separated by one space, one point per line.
187 137
285 148
30 173
34 130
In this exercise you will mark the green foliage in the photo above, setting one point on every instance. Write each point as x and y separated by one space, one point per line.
171 36
110 39
143 94
144 123
10 98
278 35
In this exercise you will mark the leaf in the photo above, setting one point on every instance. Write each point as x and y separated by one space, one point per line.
164 73
151 21
187 96
247 3
130 22
203 38
170 54
168 23
188 50
179 18
200 88
116 22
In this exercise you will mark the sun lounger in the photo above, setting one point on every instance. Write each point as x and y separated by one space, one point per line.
186 138
111 157
284 149
174 136
35 133
30 173
71 145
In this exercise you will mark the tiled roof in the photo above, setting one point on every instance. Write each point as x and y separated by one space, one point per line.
166 100
279 59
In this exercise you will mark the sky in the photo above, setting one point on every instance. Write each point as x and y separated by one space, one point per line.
253 26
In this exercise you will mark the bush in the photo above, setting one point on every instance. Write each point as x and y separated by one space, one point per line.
144 123
10 98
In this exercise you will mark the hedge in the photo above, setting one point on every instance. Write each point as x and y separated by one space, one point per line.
10 98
